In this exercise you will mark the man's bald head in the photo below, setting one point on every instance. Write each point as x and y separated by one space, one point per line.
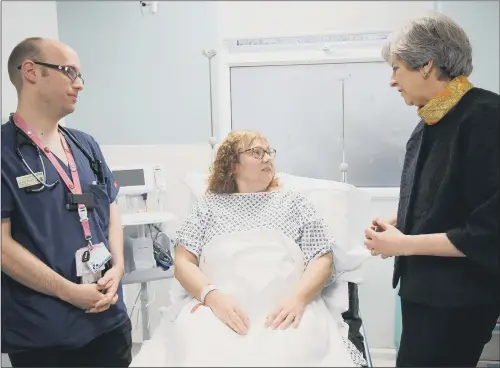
46 75
28 49
33 48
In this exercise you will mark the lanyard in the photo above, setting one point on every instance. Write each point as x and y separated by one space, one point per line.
74 185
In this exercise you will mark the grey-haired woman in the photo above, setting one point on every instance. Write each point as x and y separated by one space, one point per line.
445 235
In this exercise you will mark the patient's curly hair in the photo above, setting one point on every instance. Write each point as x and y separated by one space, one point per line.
221 178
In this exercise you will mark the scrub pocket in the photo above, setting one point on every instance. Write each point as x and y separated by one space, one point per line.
101 211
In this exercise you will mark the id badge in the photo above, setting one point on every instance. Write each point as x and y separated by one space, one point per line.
81 264
99 256
83 271
29 180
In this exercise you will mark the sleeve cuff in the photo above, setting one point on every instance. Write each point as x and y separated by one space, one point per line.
333 273
320 253
458 238
112 197
478 249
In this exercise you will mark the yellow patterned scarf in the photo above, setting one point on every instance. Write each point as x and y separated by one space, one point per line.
440 105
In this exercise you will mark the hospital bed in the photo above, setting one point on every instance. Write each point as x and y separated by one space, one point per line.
353 329
345 209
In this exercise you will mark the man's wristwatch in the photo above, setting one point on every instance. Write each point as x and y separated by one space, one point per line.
205 291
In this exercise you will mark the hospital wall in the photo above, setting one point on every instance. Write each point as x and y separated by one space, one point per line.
21 19
142 71
125 53
480 19
248 19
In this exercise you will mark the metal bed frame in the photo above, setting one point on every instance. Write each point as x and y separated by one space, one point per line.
366 350
352 317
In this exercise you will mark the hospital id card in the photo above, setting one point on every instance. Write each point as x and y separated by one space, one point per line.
29 180
99 256
82 268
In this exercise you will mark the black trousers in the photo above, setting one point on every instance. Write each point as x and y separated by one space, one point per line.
112 349
444 337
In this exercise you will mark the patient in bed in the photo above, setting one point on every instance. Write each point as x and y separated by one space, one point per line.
252 260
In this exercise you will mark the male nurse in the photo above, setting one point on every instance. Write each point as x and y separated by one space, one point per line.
62 239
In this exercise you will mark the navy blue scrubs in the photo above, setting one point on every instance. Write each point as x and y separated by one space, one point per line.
41 223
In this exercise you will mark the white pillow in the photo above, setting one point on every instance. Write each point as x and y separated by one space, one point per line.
346 211
197 183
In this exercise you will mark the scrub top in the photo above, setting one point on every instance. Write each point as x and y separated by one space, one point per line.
41 223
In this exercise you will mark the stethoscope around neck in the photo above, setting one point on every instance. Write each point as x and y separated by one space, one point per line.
95 165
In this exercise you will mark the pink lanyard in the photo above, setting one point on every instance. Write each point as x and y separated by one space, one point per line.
73 185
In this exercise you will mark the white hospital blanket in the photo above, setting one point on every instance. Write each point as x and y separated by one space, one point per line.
258 268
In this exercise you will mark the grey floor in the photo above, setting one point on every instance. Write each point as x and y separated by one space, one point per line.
5 361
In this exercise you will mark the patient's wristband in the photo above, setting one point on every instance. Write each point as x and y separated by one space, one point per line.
205 291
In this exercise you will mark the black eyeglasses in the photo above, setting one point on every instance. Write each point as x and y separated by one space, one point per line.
259 152
68 70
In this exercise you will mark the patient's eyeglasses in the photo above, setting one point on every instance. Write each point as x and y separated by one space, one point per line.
259 152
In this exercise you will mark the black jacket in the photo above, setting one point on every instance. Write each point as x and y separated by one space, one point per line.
450 185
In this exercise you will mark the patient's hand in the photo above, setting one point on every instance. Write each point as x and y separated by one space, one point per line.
289 312
228 311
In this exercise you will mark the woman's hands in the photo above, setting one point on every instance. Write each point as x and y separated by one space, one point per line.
289 312
228 311
384 239
377 223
